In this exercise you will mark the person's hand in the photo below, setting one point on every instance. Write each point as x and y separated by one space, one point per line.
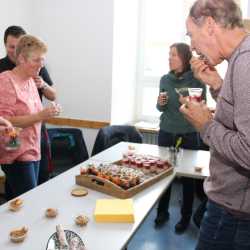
205 73
183 99
197 113
5 126
50 111
162 99
39 82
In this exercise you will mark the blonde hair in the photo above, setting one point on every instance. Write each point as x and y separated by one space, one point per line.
225 12
29 44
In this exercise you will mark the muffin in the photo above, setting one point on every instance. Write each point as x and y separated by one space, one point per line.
18 235
51 212
81 220
15 204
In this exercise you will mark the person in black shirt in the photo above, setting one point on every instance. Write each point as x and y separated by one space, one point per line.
44 86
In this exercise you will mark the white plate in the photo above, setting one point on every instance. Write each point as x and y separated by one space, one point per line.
53 242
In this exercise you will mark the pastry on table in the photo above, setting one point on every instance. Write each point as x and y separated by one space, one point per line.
81 220
78 192
198 168
15 204
51 212
18 235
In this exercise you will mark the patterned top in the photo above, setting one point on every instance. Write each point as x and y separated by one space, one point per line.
19 98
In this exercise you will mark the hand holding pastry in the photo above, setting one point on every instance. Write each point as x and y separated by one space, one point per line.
205 73
40 84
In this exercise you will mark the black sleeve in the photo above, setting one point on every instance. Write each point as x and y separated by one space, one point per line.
45 75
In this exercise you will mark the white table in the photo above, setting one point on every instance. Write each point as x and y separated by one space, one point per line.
56 194
189 160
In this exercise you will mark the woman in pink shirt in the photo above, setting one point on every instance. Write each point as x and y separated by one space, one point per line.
20 104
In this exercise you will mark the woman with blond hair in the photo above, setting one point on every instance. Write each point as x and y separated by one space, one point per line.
20 104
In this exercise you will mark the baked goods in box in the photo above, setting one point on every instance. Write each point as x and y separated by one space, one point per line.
125 177
131 171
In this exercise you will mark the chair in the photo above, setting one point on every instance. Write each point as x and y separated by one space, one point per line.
68 148
111 135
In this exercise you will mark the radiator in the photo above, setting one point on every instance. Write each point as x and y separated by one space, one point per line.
150 138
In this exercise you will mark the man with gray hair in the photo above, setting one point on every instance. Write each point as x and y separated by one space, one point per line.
216 31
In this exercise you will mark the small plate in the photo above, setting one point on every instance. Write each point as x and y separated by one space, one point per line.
53 242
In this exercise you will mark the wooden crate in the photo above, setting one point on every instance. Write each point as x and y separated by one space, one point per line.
108 187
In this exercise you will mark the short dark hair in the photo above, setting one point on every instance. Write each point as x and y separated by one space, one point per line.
185 54
15 31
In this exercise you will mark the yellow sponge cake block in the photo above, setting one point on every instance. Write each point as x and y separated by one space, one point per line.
114 210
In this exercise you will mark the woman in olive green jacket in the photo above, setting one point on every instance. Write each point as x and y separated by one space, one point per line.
173 125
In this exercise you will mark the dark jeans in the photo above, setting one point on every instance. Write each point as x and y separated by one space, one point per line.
45 153
20 177
221 230
189 141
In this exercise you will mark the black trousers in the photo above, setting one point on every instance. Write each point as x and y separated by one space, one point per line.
189 185
45 151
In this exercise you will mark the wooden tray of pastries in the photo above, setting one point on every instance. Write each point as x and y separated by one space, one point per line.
125 178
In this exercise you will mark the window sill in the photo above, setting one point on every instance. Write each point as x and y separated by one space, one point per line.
148 127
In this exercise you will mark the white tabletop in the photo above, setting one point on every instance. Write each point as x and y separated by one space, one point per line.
191 159
56 194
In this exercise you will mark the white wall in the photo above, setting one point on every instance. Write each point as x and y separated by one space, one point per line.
14 12
248 9
79 34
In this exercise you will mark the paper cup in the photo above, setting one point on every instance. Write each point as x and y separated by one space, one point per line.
195 94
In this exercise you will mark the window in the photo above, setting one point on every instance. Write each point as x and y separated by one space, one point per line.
162 23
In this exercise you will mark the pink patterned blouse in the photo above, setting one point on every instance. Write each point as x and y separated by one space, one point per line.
19 98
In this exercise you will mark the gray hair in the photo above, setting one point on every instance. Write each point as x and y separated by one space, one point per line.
225 12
